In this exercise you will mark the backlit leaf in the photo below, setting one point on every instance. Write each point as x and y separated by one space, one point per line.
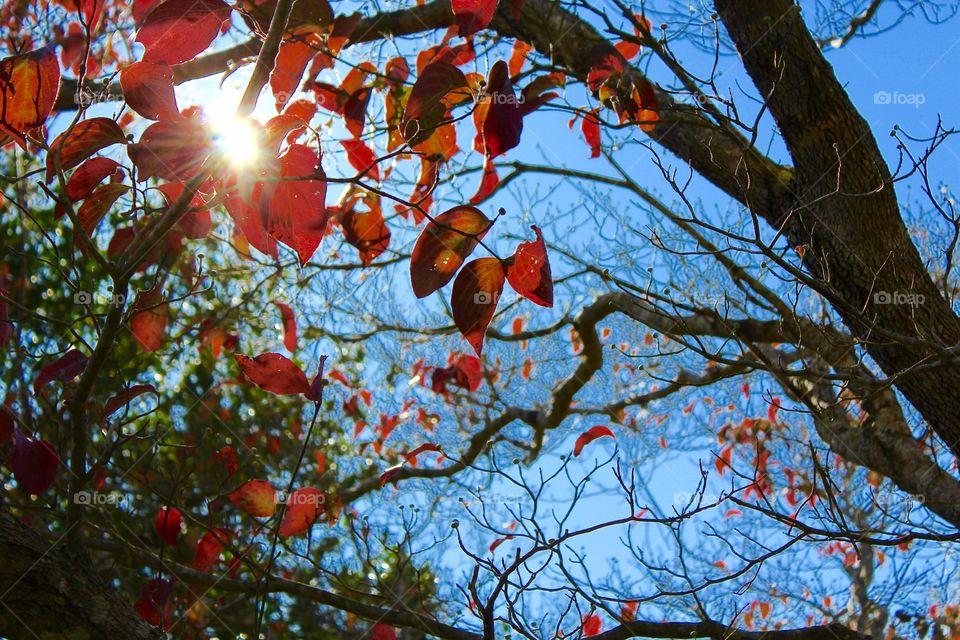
589 436
257 498
303 507
274 373
529 271
443 246
82 141
176 31
29 84
476 293
148 90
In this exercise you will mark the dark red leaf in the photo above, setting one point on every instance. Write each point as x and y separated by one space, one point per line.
473 15
382 631
443 246
411 456
65 368
289 326
176 31
6 426
274 373
504 122
155 604
167 523
589 436
195 222
88 175
148 90
529 271
34 464
476 293
227 456
425 109
82 141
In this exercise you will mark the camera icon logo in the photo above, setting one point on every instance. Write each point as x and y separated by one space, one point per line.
483 297
882 97
882 297
82 297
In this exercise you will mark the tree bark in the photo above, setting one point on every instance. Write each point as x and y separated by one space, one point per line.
48 593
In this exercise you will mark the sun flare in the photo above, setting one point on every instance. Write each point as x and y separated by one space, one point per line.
236 138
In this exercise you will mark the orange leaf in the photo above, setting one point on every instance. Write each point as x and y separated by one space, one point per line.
529 271
256 497
303 507
30 83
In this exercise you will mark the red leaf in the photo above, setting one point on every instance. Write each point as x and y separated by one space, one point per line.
499 541
488 183
284 126
476 293
30 85
529 271
592 625
292 60
425 107
194 224
589 436
65 368
466 372
443 246
366 231
82 141
91 212
390 475
172 150
411 456
362 158
167 523
149 320
88 175
155 603
176 31
227 456
256 497
209 548
34 464
6 426
473 15
504 122
148 90
591 131
297 211
303 508
122 398
382 631
289 326
274 373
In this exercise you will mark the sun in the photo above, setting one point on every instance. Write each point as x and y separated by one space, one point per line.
238 139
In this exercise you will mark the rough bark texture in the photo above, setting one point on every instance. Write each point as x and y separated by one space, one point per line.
47 593
846 211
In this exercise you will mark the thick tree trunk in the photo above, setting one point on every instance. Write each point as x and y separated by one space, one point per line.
47 593
845 211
